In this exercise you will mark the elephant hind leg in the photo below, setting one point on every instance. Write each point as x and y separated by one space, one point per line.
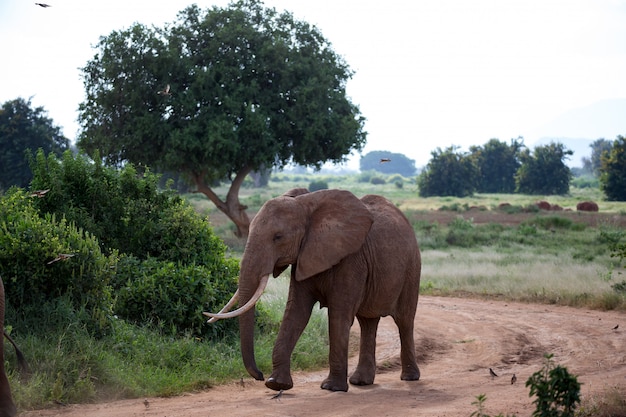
410 370
366 369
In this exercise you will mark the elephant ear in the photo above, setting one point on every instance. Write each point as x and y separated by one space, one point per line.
338 225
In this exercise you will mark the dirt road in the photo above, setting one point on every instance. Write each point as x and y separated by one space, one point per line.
458 340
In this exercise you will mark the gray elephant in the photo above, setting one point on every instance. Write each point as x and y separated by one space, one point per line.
7 407
357 257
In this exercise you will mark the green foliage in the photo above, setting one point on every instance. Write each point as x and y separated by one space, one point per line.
397 164
125 210
557 392
43 258
172 296
448 173
173 265
497 163
23 128
366 176
318 185
378 181
130 361
242 88
585 181
543 171
551 222
463 233
613 171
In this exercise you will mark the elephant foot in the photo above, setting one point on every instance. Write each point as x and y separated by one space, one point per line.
277 385
333 385
361 378
410 373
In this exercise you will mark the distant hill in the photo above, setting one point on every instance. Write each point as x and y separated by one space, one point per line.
578 128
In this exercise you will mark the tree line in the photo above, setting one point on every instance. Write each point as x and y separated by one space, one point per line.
498 167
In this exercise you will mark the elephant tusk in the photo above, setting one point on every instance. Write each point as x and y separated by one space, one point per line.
250 304
226 308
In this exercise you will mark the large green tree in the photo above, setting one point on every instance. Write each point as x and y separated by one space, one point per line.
23 127
613 171
543 171
218 94
497 164
448 173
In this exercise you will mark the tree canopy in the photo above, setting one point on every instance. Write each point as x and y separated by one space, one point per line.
448 173
387 163
497 164
217 94
23 127
613 171
543 171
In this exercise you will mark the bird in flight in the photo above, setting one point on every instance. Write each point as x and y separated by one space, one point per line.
493 374
383 160
165 91
39 193
61 257
44 5
616 327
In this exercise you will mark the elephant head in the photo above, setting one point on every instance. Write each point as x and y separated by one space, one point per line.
311 232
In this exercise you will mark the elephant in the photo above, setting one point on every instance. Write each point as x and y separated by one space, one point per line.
7 406
356 257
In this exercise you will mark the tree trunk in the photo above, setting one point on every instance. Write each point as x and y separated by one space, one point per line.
231 207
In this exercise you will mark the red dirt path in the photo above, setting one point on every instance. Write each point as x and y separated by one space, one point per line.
457 339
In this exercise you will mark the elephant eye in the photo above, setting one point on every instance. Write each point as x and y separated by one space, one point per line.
277 237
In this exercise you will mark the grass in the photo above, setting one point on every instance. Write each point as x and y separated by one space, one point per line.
544 257
70 366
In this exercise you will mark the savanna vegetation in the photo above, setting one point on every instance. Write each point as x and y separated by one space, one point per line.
107 270
77 355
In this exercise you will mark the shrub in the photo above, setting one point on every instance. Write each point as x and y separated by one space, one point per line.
318 185
173 296
365 176
377 181
44 258
557 392
124 209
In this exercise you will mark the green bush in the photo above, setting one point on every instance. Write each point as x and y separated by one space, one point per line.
551 222
172 296
43 258
365 176
557 392
173 265
318 185
124 209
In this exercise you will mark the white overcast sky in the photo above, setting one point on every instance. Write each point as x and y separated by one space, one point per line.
429 73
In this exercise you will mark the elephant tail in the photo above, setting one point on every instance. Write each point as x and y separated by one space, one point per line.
21 360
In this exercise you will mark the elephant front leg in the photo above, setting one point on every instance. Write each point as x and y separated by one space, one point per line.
339 334
295 319
366 369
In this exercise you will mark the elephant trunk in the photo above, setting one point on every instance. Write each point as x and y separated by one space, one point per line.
246 334
246 325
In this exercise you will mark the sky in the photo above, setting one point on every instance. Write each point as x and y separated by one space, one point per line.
428 73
